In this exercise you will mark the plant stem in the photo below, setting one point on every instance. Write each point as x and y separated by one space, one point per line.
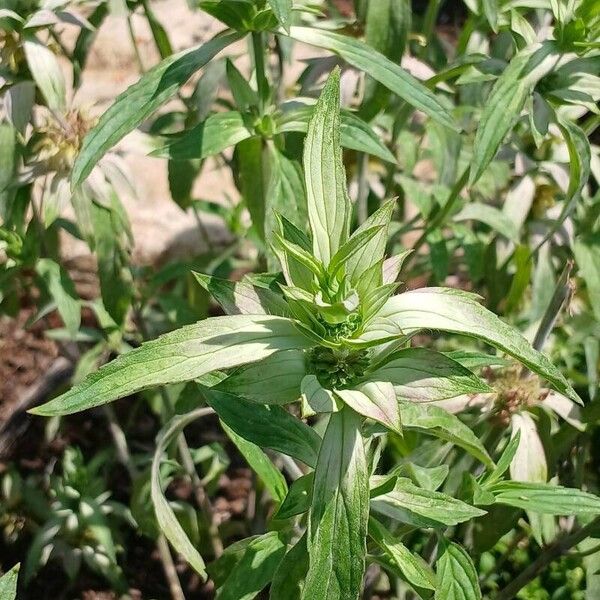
120 442
189 466
429 21
262 85
550 554
560 296
199 492
136 51
362 210
440 217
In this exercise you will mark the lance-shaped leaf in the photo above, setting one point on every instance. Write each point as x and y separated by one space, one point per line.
283 11
422 375
423 508
298 498
337 526
315 398
8 583
215 134
46 71
578 146
434 420
372 251
289 578
375 400
459 312
504 461
167 521
141 99
62 290
275 380
254 568
506 100
329 209
267 426
182 355
354 245
242 297
546 498
411 566
380 68
529 461
456 574
261 464
355 134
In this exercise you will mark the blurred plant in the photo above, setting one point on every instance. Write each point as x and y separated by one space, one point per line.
72 521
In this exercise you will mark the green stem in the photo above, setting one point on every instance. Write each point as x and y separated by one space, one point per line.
136 51
429 21
262 84
362 210
550 554
440 217
189 466
559 297
120 442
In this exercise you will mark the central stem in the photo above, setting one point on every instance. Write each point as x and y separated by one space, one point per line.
262 85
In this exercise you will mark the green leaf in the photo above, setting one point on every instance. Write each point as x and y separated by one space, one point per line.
434 420
506 100
423 508
216 133
545 498
315 398
243 298
339 513
285 193
422 375
276 379
504 461
357 242
298 498
182 355
267 426
492 217
283 12
255 569
261 464
355 134
141 99
9 161
8 583
62 290
46 71
375 400
372 252
329 209
411 566
459 312
580 157
456 575
380 68
587 256
167 521
299 254
289 578
244 96
252 161
111 241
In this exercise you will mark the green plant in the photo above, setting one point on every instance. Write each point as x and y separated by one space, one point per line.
75 522
336 336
